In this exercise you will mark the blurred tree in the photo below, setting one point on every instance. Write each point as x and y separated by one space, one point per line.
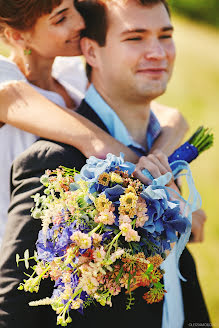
202 10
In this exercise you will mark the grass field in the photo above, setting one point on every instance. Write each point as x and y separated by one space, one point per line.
194 89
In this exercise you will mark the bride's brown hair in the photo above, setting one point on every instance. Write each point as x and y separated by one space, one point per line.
23 14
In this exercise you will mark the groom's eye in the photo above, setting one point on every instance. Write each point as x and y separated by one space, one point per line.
166 36
136 38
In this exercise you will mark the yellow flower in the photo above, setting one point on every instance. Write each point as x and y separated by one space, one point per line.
129 200
104 179
116 177
102 203
131 212
130 189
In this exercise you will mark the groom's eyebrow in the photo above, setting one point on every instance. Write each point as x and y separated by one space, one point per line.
59 12
142 30
167 28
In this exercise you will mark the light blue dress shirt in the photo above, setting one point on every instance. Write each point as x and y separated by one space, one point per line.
173 313
116 127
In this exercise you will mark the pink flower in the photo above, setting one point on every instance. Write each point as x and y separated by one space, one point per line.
57 219
129 233
96 238
141 219
81 239
99 254
124 219
106 217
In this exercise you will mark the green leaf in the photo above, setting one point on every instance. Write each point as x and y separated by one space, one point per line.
26 258
119 274
129 281
158 285
17 259
149 268
26 254
26 264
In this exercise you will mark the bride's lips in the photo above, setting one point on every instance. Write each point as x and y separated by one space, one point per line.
75 39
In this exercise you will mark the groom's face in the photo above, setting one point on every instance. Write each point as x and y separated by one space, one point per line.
138 57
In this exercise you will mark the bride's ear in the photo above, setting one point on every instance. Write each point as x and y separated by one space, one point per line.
89 50
14 37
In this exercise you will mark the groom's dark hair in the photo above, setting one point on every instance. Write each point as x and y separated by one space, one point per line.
96 19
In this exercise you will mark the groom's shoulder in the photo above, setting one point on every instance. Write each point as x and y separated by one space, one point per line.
46 154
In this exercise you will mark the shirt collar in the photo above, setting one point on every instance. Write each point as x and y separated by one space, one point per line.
116 127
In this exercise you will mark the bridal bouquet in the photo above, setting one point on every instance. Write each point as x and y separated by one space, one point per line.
103 231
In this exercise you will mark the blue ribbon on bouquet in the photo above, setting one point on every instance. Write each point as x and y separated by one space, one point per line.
200 141
173 315
179 169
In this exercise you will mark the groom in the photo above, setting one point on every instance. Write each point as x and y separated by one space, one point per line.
129 66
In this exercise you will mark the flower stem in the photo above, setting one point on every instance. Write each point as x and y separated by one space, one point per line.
112 242
95 229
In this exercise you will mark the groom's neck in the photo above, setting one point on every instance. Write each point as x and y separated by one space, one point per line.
134 114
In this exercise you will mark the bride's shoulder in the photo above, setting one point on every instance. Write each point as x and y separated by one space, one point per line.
70 71
64 64
9 70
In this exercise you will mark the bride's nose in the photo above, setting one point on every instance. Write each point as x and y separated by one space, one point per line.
79 22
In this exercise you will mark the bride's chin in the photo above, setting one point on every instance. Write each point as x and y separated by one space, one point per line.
74 51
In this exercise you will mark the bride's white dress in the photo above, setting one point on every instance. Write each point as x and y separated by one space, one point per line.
69 71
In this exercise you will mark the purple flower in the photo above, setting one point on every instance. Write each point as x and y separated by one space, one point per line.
55 246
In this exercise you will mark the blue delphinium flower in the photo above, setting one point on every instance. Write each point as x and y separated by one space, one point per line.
56 242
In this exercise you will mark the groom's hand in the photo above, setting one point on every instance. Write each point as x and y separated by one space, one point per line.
156 163
198 221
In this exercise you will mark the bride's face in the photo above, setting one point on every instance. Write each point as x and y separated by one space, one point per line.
57 33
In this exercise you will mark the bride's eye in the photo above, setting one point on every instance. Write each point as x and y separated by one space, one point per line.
61 20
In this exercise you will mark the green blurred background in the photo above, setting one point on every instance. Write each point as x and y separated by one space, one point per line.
194 90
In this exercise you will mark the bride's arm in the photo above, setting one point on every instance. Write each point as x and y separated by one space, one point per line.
24 108
174 128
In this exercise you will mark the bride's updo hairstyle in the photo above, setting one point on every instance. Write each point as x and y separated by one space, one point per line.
23 14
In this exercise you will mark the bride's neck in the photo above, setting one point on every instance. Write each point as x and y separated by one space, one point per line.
37 72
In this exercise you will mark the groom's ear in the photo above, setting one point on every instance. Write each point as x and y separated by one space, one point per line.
89 49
